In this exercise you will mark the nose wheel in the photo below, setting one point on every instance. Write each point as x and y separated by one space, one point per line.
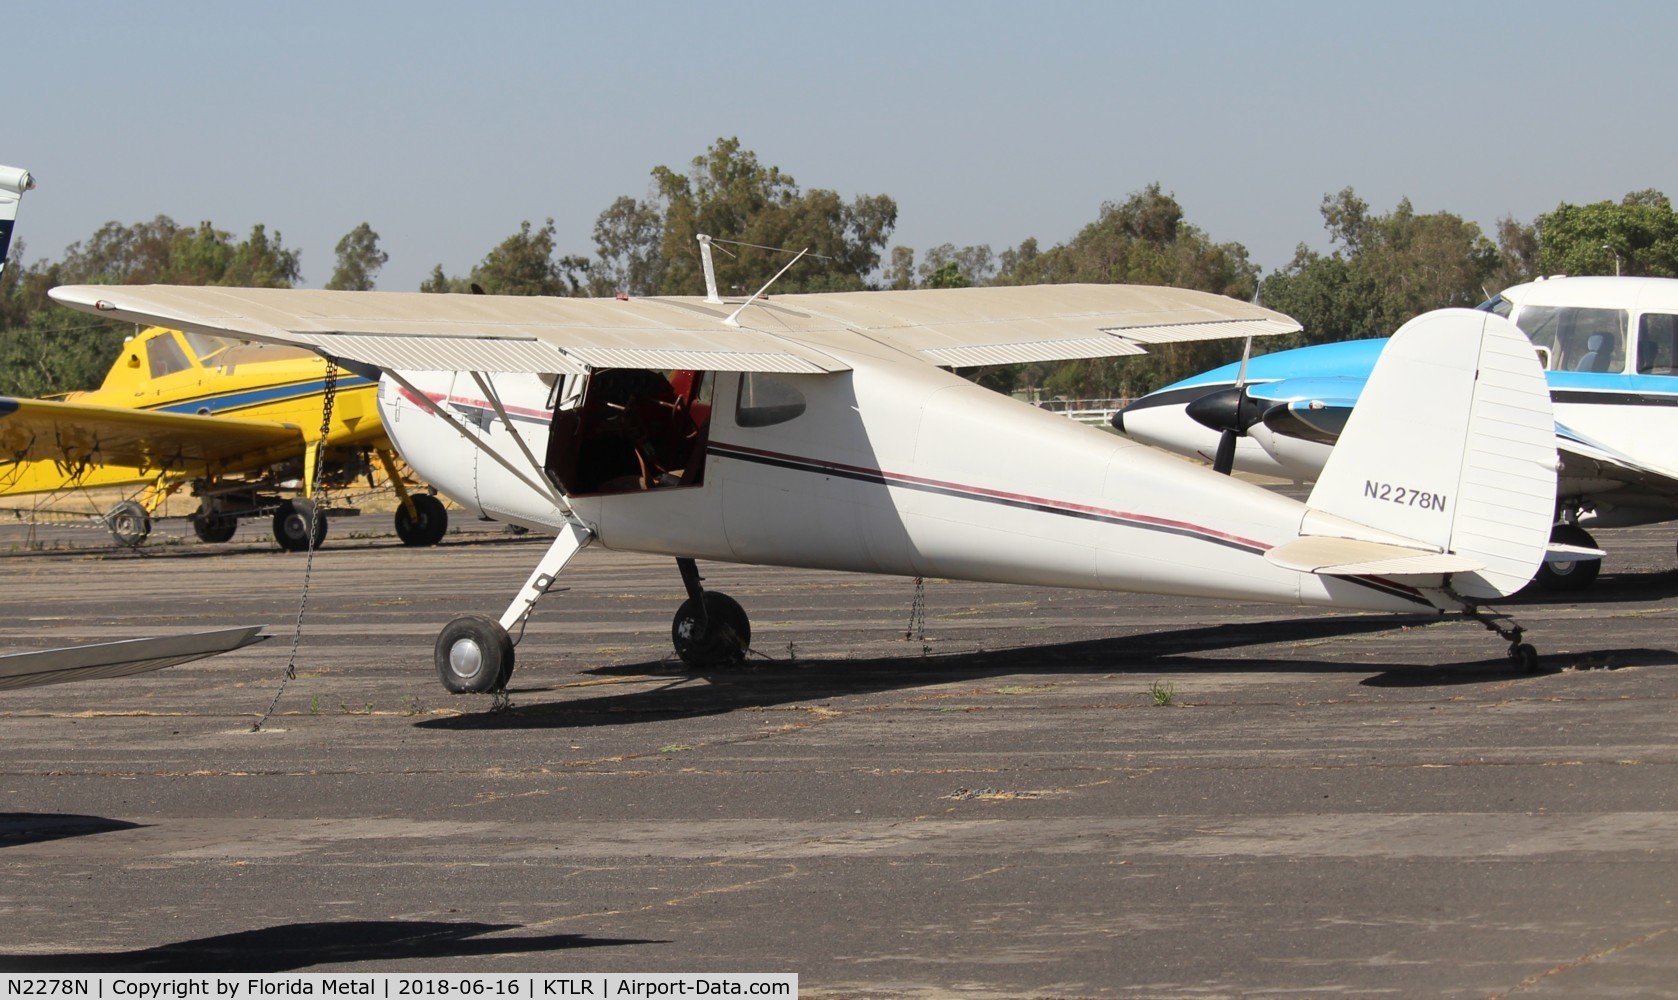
474 655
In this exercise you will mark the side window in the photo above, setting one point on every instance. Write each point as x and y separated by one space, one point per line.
1577 339
166 356
766 400
1657 344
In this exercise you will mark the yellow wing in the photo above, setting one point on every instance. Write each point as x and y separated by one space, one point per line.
50 444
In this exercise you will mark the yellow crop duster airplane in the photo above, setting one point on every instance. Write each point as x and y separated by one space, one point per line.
238 423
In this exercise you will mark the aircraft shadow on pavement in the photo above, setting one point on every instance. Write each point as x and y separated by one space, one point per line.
1609 588
288 947
1479 673
759 684
17 829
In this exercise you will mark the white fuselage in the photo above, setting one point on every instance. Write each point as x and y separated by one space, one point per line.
898 468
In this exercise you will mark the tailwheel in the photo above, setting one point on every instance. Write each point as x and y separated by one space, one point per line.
1525 656
293 523
214 528
129 523
474 655
717 634
429 527
1576 574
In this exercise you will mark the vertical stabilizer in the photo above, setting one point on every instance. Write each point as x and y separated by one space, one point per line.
13 182
1452 445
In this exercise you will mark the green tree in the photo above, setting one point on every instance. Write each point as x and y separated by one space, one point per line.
947 275
1143 240
728 194
976 265
123 255
359 260
522 264
440 283
47 349
900 274
1384 270
260 262
628 239
1638 236
55 351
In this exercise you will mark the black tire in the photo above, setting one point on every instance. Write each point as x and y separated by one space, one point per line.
215 529
474 655
429 528
129 523
1525 657
292 523
718 638
1562 577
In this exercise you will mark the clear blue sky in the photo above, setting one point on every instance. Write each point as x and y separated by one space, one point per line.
445 125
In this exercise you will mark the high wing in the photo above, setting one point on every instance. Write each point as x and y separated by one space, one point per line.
47 430
956 327
36 667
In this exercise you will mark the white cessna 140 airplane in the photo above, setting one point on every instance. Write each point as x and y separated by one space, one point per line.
826 431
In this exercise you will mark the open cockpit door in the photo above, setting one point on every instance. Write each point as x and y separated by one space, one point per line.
631 429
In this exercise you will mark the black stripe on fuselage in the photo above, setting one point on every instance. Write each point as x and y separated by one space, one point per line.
1145 523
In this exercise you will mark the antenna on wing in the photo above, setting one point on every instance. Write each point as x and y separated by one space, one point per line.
733 317
711 295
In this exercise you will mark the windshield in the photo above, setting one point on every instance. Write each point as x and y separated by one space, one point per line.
1576 339
1497 304
207 347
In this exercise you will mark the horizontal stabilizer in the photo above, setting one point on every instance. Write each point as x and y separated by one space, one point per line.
1571 553
1356 557
119 659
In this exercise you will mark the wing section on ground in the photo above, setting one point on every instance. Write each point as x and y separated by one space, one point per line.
119 659
790 333
79 435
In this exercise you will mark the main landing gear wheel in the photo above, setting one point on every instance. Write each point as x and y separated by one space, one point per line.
474 655
216 528
1576 574
429 527
1525 657
292 523
129 523
718 637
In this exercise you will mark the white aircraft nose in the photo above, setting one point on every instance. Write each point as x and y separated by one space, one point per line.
1165 424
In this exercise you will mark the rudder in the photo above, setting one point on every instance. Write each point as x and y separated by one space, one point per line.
1452 445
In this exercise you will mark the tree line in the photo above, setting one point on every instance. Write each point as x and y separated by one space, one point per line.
1380 270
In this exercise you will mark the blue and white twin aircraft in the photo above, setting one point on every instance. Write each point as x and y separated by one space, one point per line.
1609 347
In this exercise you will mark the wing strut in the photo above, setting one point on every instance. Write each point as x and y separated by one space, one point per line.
518 439
448 418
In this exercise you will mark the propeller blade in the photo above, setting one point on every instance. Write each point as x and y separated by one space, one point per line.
1224 461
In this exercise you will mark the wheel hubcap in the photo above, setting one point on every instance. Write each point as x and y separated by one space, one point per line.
466 658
